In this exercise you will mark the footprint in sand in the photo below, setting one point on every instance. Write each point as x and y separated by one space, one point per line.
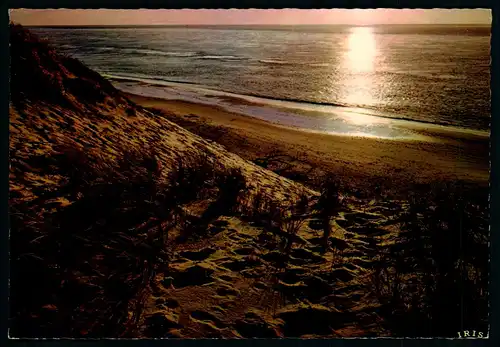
311 287
368 231
260 285
302 319
246 251
218 309
170 303
301 256
255 326
356 219
255 272
159 324
274 257
226 278
242 264
316 224
191 275
227 291
341 274
198 255
339 244
220 223
206 317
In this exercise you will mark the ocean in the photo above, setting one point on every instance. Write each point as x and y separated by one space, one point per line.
345 79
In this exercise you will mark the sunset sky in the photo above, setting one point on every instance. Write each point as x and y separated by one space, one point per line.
254 16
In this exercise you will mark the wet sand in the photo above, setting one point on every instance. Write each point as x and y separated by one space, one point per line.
358 161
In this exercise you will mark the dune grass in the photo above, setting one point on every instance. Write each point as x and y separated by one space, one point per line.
433 282
94 253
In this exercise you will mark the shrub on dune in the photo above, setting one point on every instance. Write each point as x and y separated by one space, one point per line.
434 282
91 255
328 205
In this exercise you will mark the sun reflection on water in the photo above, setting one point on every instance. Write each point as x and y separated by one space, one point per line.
362 50
359 63
362 119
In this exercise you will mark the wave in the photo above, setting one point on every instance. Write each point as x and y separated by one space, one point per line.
289 102
68 46
161 53
199 55
286 62
151 80
169 82
180 54
320 64
102 48
147 51
222 57
425 75
275 61
140 51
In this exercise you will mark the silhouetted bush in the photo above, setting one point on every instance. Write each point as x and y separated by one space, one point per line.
293 218
263 210
231 184
328 205
434 282
192 177
200 178
227 186
255 206
91 258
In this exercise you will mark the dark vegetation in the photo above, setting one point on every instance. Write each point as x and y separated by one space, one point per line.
53 77
283 219
433 281
93 260
329 204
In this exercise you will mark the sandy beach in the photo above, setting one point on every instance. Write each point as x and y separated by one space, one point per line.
360 162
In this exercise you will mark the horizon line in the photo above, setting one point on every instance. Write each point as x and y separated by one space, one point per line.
236 25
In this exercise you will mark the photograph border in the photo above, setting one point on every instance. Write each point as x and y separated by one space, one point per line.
494 333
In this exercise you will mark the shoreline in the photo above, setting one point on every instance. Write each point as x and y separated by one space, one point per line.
304 116
361 162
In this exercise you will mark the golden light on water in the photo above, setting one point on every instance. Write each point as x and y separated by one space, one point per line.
362 49
360 63
362 119
359 91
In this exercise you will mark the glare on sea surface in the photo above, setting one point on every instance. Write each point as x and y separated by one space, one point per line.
362 49
362 119
359 63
